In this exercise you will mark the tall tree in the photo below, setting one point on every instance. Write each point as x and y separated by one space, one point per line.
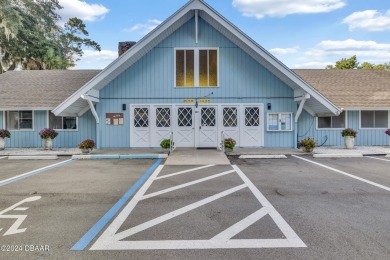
70 39
30 36
25 25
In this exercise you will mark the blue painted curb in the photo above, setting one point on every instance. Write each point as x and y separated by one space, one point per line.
92 233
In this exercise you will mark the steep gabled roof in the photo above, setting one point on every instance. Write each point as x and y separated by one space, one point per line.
34 89
317 104
351 89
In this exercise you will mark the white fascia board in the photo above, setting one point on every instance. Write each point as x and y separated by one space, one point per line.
120 61
25 108
271 59
366 108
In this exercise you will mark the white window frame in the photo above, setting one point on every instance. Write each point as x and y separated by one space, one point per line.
335 129
374 128
18 130
279 122
63 130
196 67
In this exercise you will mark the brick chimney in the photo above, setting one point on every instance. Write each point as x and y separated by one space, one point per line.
124 46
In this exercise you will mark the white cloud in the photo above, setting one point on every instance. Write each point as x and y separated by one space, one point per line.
350 47
81 10
369 20
95 59
280 8
144 28
284 51
312 65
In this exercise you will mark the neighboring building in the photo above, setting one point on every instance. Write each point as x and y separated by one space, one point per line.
195 75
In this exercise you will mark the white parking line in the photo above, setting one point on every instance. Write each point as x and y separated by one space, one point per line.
111 240
186 171
344 173
150 195
377 158
9 180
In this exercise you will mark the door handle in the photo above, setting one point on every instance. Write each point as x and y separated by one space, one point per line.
200 127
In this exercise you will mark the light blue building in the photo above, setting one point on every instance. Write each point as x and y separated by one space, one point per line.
199 77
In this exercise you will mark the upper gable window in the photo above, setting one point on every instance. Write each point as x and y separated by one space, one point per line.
196 67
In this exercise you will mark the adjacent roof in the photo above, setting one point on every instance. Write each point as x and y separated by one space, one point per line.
351 89
40 88
317 104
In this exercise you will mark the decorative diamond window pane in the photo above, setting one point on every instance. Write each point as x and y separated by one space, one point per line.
207 116
252 116
163 117
141 117
184 116
229 117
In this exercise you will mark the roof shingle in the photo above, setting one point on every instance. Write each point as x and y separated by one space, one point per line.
40 88
350 88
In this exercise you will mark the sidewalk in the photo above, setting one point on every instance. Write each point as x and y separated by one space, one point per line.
362 150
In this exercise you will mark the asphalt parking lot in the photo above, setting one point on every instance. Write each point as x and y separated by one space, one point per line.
269 208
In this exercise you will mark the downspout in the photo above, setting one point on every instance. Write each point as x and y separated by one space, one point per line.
303 99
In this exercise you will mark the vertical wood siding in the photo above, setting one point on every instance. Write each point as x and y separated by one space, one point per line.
30 139
151 81
365 137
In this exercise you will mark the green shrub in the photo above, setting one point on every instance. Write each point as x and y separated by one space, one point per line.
165 144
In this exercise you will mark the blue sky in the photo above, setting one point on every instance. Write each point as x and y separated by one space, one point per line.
301 33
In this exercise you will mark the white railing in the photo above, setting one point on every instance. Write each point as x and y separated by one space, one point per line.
222 144
171 143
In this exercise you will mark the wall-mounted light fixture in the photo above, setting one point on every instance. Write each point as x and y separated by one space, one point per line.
269 106
124 107
196 103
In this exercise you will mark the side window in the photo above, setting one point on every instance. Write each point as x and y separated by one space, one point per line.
19 120
330 122
374 119
62 122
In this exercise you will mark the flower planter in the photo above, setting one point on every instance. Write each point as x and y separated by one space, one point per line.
48 144
349 142
2 143
228 150
307 149
85 151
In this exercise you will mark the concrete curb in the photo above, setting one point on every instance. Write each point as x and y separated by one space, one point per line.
3 157
387 155
262 156
33 157
120 156
324 155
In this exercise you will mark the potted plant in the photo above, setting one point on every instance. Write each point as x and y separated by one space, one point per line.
349 136
166 145
229 144
86 146
3 134
307 144
47 135
388 133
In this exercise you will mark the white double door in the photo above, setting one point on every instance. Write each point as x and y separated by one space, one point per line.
196 127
